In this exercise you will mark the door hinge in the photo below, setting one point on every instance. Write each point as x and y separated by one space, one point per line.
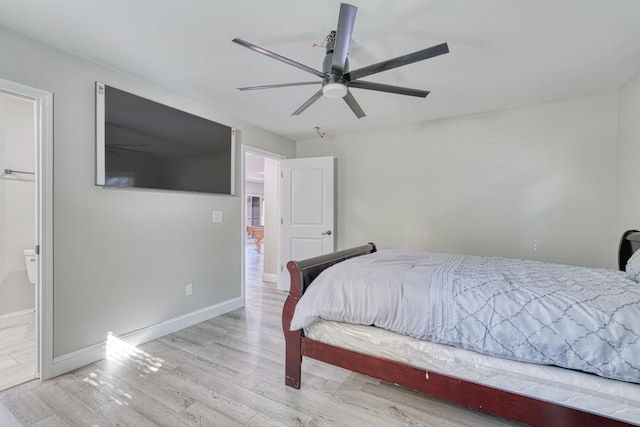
37 249
281 221
281 268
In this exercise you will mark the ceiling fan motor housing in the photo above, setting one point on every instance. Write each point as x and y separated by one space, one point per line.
333 84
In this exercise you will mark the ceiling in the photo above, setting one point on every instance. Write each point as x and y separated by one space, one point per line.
504 53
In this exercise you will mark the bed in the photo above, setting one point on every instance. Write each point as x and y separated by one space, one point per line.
533 393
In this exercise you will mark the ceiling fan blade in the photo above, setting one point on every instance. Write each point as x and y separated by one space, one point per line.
129 150
389 64
128 145
278 57
309 101
279 85
359 84
353 104
346 20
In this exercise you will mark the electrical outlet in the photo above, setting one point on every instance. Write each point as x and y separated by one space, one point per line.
218 216
188 289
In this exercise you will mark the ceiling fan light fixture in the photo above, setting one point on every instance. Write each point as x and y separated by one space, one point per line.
334 90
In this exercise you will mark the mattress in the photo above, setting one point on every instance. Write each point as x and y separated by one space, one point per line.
586 392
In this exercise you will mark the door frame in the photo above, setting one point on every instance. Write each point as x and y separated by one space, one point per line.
247 149
43 101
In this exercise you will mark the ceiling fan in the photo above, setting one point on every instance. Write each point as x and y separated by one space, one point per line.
335 75
116 149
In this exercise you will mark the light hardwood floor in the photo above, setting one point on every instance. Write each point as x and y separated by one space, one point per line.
227 371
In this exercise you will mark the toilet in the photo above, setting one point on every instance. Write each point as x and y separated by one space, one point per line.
30 261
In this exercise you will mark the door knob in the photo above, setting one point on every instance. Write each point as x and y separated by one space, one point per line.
327 233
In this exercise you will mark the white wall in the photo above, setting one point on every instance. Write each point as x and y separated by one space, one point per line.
254 188
17 202
535 182
629 156
122 257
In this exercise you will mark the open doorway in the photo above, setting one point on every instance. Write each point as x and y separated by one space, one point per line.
18 230
26 273
261 217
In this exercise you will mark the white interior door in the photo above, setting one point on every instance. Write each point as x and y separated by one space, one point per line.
307 211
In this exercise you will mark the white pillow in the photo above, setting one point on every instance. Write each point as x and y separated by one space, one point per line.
633 267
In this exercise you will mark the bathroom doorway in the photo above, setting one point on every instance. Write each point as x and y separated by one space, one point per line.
25 227
261 217
18 230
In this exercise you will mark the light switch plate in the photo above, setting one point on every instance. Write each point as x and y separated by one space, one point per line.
218 216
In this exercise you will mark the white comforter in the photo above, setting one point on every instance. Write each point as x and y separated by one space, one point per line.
574 317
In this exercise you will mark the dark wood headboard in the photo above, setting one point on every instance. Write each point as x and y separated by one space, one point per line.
303 272
629 243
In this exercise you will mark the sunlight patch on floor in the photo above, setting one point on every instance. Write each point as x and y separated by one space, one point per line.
103 382
122 352
124 355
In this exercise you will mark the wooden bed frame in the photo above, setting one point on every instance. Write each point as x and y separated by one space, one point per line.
483 398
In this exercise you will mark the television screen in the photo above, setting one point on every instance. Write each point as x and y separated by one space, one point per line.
142 143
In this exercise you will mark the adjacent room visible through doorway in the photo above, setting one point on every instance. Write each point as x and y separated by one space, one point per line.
261 217
18 231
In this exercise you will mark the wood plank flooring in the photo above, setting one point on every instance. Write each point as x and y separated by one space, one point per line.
17 355
227 371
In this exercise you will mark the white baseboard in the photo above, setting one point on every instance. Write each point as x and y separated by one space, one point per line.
76 359
269 278
17 318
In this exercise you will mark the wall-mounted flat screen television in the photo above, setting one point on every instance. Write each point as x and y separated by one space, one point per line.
145 144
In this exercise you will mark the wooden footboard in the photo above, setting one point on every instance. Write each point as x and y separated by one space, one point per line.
486 399
302 274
